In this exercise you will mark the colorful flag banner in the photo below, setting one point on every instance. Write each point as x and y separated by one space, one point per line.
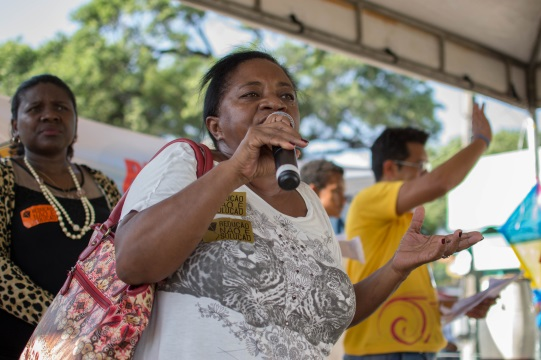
523 232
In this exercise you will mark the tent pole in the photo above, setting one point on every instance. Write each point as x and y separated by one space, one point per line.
532 108
532 105
533 115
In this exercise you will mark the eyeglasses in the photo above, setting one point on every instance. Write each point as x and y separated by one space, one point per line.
423 166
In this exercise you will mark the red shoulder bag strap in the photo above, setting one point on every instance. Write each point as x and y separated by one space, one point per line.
203 155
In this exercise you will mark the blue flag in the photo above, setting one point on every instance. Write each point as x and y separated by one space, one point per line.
523 232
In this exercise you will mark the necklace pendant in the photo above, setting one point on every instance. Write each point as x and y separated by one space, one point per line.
76 227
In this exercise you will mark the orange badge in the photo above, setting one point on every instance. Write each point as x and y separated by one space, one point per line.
38 214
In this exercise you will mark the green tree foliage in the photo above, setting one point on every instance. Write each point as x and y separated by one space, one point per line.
348 100
137 64
16 59
504 141
134 64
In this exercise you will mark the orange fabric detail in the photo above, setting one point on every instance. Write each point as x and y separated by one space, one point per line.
132 169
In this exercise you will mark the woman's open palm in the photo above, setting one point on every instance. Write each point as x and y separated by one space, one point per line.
417 249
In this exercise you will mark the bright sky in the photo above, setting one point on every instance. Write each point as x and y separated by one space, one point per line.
36 21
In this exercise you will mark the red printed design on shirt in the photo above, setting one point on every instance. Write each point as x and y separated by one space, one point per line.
38 214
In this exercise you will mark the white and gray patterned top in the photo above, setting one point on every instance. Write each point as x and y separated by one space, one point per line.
277 293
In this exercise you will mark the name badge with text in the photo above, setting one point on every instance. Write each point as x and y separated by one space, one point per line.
229 229
234 205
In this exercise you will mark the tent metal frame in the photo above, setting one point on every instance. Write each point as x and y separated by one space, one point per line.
253 13
291 26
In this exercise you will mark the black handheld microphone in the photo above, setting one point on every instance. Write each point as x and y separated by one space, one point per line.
287 171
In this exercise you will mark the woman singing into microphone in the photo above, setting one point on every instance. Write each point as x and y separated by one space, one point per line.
267 284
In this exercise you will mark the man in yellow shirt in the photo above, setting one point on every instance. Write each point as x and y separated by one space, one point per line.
407 326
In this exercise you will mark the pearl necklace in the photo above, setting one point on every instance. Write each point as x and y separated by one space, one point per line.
61 213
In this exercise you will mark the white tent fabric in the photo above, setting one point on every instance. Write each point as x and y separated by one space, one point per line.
487 46
491 191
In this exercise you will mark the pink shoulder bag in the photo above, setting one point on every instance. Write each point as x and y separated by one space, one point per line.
96 315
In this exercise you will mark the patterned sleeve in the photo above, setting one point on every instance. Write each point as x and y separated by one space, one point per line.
107 185
19 295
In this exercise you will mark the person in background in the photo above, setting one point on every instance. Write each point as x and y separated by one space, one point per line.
327 180
407 325
245 269
48 204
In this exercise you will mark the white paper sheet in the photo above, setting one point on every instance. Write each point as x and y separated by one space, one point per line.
462 306
352 249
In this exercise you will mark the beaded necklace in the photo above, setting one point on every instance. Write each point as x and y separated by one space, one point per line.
61 213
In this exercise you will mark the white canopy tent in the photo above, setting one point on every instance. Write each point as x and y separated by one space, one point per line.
491 47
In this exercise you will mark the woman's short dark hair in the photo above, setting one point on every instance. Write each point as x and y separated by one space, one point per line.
217 79
18 148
